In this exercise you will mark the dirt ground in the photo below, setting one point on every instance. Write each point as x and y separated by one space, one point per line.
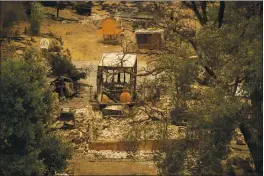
81 39
86 167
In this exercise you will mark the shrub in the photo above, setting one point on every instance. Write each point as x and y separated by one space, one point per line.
55 46
37 14
62 66
37 11
54 153
34 26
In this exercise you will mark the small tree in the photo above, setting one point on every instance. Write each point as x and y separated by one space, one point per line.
60 6
37 15
34 26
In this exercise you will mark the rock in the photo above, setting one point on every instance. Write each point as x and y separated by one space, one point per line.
66 21
19 52
62 174
74 133
82 111
66 109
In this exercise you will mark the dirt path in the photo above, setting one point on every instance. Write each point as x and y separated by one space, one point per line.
86 167
81 39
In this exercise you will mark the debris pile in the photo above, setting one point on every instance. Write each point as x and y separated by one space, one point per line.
91 127
109 154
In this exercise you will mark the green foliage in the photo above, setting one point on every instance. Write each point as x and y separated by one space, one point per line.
34 26
37 15
37 11
27 104
54 154
62 66
172 163
228 58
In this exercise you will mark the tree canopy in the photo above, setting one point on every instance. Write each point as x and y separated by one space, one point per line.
221 86
27 105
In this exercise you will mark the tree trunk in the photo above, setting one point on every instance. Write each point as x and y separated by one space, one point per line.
255 145
196 12
255 148
58 8
221 13
58 12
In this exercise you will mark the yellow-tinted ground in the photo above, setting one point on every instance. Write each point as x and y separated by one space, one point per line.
84 166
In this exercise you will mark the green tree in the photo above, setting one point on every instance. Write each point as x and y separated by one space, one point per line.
27 106
60 6
37 11
228 45
37 15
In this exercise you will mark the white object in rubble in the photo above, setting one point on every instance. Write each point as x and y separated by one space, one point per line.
44 43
